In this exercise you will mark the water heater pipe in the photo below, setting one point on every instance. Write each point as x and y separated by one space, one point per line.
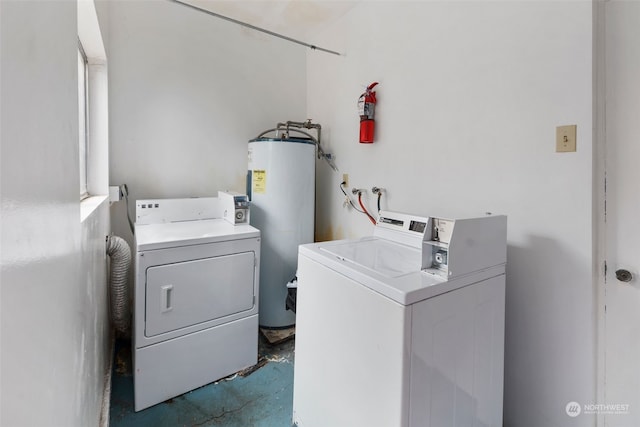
285 127
305 125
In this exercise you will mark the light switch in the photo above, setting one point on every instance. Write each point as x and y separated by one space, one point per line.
566 138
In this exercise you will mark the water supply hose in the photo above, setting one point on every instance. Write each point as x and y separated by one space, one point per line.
366 212
120 254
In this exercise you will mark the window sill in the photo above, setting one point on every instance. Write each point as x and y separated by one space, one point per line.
89 205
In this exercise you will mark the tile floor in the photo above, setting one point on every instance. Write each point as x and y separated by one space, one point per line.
262 398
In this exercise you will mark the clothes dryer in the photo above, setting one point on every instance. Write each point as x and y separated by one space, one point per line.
195 298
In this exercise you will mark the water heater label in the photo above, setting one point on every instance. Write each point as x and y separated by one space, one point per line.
259 181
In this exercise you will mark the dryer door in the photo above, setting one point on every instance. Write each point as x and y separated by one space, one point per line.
187 293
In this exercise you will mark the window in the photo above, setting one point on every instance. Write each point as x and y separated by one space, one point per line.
83 115
93 107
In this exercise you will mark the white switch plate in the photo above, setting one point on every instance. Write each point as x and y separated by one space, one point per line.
114 194
566 138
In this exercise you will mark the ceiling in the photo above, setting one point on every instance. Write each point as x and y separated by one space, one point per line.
298 19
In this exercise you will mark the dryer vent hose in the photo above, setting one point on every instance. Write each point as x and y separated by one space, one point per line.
118 250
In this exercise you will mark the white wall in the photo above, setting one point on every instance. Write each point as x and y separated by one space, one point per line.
53 303
470 94
469 98
187 92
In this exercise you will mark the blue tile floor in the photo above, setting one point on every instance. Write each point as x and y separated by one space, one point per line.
263 398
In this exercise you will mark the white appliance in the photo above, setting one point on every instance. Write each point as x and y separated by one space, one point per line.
281 185
195 298
403 328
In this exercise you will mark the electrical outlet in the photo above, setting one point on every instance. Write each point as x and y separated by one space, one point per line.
566 138
345 179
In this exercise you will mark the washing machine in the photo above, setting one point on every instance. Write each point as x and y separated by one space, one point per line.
195 317
404 327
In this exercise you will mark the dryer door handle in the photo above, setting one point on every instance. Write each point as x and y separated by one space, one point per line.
165 298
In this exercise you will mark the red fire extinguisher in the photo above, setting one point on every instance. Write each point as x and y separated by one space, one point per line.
366 109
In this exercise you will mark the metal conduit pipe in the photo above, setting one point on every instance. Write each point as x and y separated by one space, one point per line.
253 27
120 254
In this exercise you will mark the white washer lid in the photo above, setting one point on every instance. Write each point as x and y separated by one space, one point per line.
185 233
382 256
389 268
379 276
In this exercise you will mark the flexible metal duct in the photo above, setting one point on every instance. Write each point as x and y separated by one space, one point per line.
120 253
